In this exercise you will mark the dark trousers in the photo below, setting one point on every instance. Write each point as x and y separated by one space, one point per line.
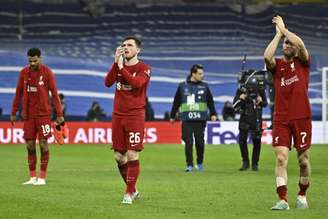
256 138
191 130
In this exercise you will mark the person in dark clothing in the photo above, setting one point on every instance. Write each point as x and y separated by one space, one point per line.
95 113
63 104
228 112
149 111
192 99
250 109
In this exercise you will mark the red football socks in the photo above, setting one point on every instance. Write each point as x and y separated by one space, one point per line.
132 175
282 192
31 159
303 188
123 170
44 163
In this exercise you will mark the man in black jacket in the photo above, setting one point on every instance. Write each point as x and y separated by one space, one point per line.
193 98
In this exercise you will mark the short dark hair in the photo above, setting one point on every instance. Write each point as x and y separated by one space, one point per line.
34 52
195 67
136 40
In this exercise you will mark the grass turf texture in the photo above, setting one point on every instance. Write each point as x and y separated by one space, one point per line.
83 182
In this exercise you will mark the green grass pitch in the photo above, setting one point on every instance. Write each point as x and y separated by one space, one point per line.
83 182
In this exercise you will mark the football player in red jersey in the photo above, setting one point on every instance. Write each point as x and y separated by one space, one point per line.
132 77
292 113
32 94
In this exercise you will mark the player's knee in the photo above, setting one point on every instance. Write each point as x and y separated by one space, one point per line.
44 144
281 160
132 155
120 158
30 145
303 162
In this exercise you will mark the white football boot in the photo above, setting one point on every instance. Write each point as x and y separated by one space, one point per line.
40 182
31 181
301 202
281 205
127 199
135 195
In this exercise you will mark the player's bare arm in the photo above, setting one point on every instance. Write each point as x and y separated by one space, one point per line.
293 38
13 119
60 119
271 50
214 118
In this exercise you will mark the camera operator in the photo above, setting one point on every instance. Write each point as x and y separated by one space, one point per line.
249 100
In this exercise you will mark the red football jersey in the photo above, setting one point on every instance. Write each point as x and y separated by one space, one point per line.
32 91
131 88
291 82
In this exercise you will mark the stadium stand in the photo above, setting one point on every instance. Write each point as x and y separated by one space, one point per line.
79 47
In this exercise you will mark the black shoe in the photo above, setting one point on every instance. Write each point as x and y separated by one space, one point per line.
255 168
245 166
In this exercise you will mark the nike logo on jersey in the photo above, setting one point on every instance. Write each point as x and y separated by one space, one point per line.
133 145
302 145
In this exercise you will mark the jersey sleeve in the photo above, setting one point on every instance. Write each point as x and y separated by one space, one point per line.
140 79
18 94
54 93
111 75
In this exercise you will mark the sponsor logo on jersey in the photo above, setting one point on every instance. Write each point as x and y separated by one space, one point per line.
31 89
289 81
120 86
126 87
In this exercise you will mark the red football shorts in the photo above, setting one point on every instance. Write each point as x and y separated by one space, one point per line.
299 130
128 133
37 127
